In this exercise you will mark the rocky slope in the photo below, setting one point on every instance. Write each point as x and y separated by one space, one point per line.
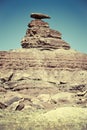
45 74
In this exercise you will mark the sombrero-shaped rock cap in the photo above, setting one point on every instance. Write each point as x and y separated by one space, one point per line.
39 16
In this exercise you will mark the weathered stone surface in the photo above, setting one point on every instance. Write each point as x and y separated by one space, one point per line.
12 100
19 107
44 83
2 89
40 35
43 77
39 16
34 58
2 105
45 74
44 43
38 23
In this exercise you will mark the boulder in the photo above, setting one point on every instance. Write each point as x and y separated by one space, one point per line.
39 16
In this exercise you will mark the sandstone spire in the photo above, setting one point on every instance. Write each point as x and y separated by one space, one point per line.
40 35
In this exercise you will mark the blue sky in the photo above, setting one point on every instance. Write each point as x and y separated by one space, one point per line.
67 16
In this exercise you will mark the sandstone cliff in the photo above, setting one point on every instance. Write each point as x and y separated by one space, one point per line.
44 74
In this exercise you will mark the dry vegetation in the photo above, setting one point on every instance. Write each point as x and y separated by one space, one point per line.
65 118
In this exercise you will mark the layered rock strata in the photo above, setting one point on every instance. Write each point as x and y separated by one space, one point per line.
33 58
45 74
39 35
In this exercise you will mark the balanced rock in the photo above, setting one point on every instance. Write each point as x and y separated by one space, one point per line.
40 35
39 16
54 77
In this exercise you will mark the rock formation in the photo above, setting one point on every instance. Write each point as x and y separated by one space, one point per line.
39 35
39 16
45 73
43 84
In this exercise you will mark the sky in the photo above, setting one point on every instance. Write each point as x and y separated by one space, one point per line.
67 16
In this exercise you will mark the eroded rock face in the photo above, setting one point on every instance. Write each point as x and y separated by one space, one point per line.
45 74
60 59
39 35
35 79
